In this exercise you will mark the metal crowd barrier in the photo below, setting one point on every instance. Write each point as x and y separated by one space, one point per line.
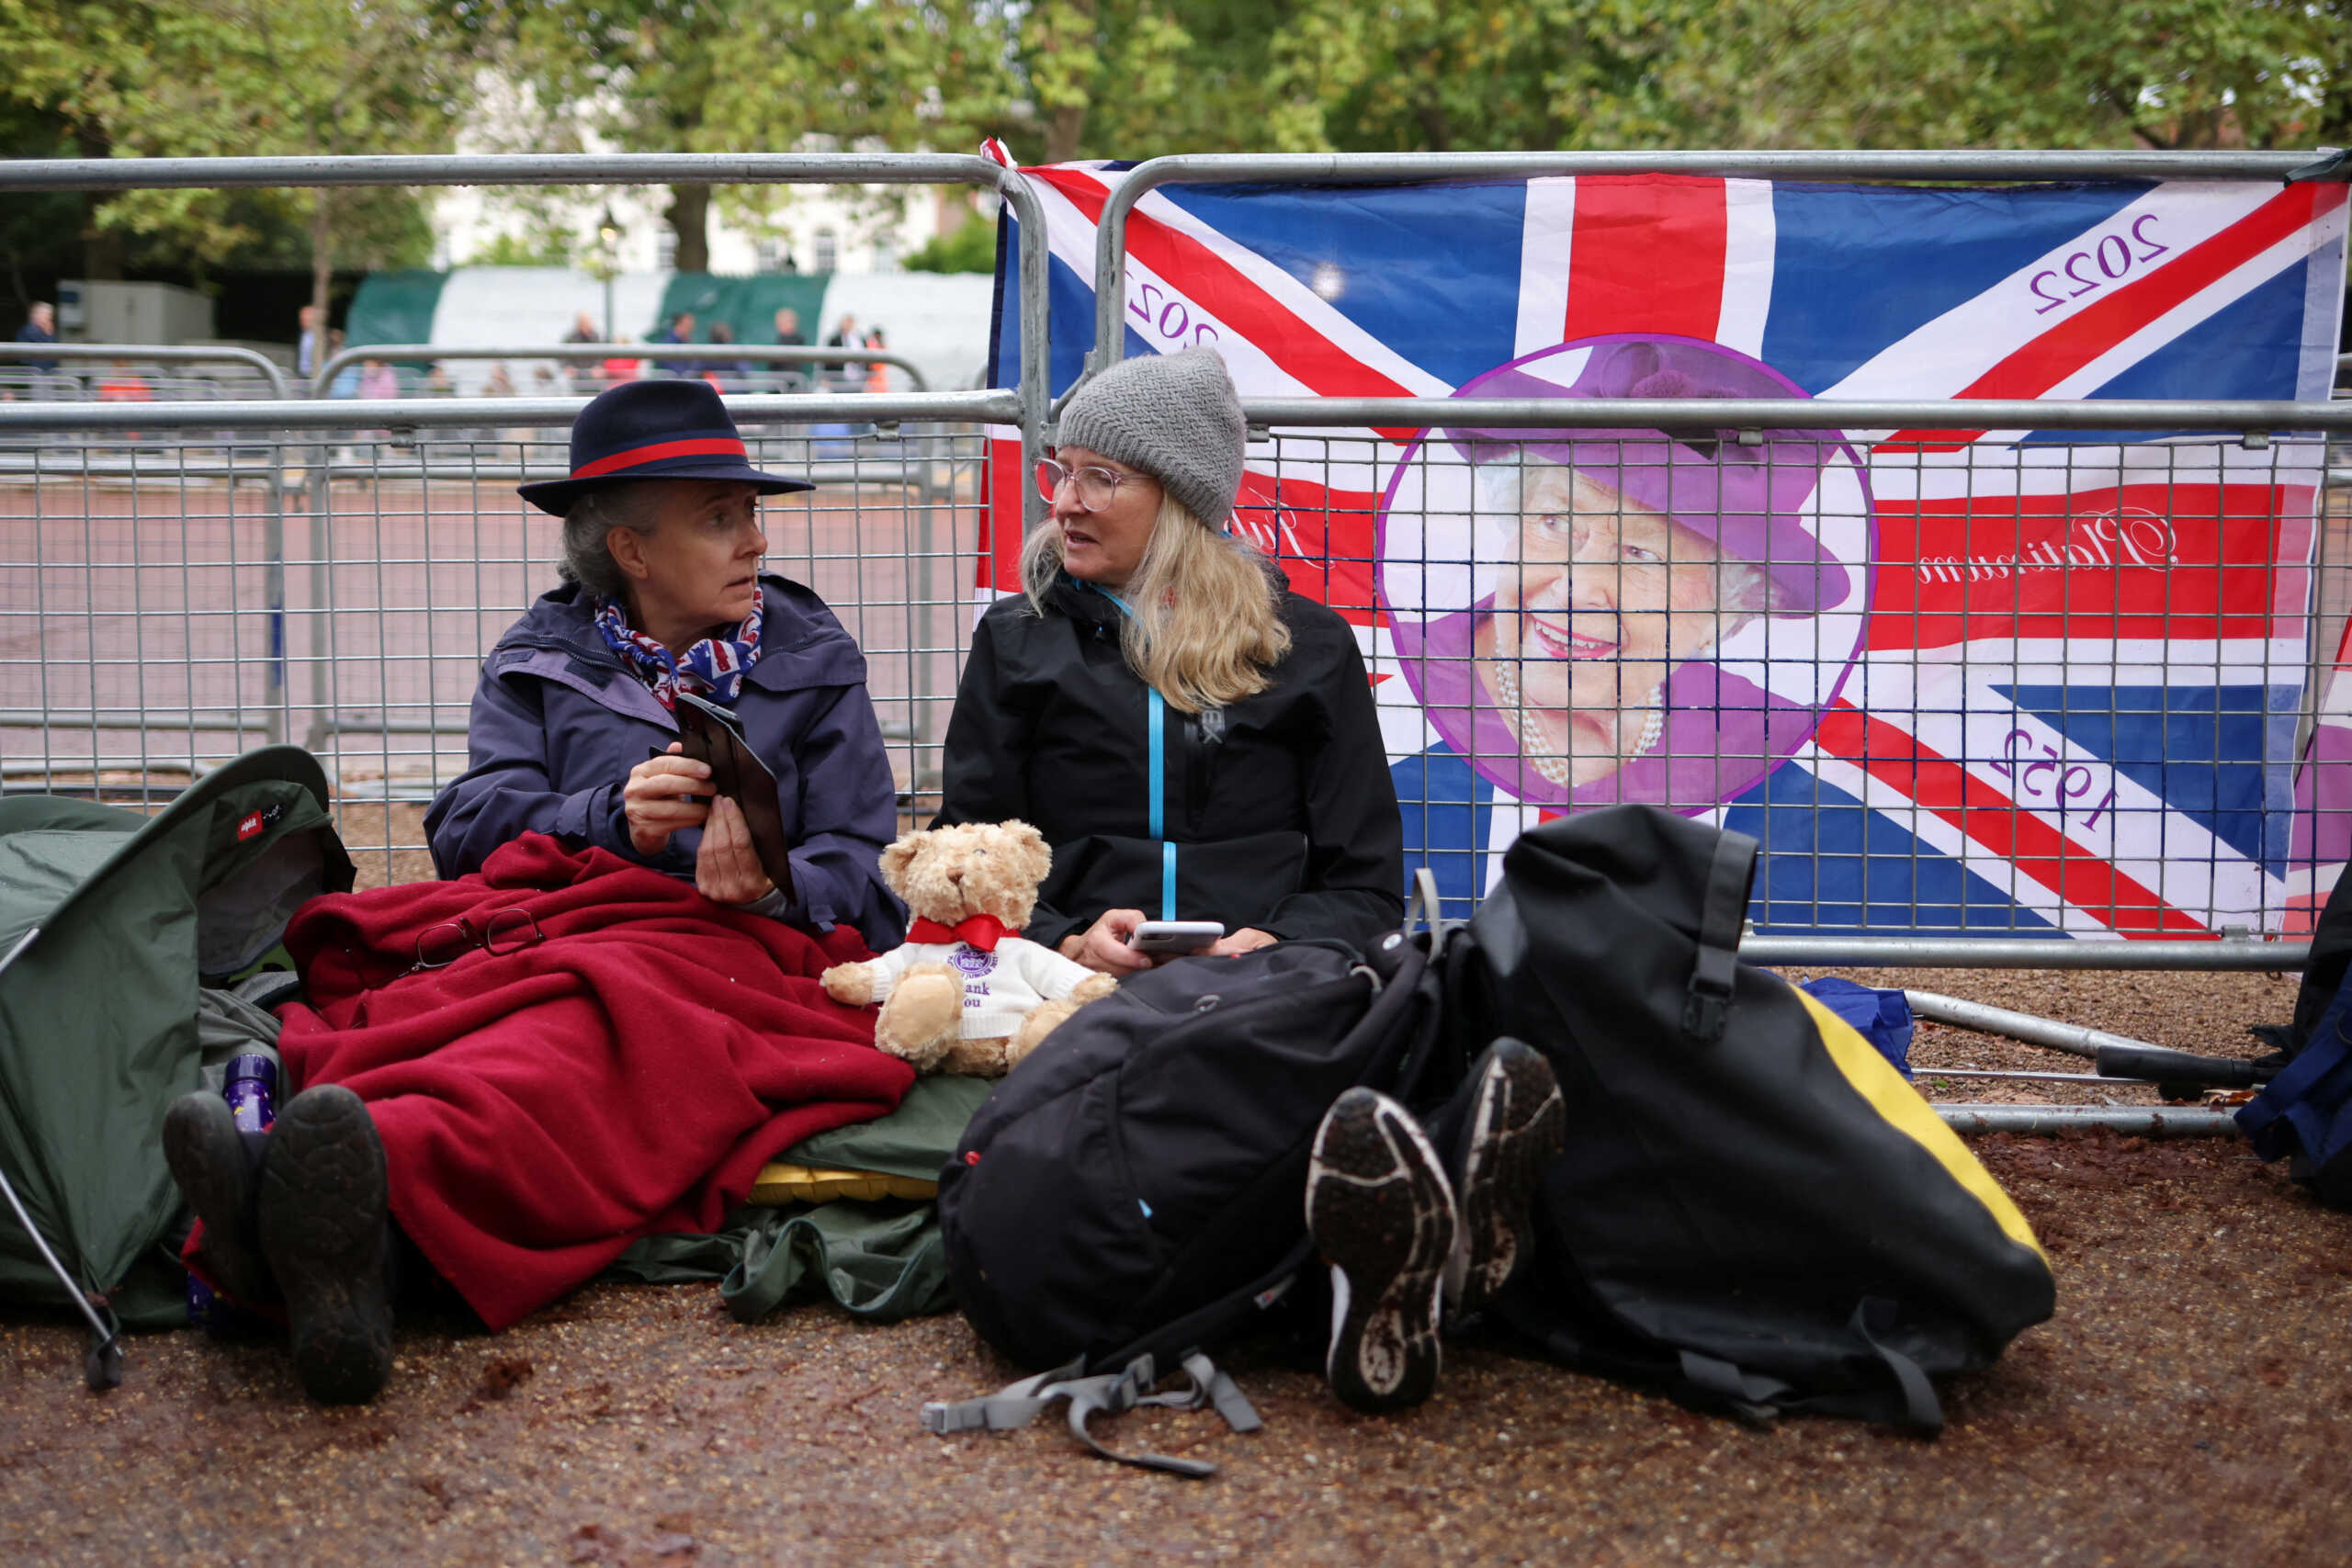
1343 516
596 353
1399 168
170 620
616 169
139 354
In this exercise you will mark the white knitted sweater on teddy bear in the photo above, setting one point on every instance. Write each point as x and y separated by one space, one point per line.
1001 988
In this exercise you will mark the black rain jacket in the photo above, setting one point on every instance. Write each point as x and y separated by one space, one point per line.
1277 812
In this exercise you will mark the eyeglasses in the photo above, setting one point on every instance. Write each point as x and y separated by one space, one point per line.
1096 486
500 932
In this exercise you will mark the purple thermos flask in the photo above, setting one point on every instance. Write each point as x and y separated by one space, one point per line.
251 1093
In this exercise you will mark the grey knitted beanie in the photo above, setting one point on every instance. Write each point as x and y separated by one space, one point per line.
1175 416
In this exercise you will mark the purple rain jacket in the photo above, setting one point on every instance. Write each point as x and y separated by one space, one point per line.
557 723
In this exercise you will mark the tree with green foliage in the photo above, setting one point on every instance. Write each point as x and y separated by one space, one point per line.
201 78
737 75
969 247
1134 78
524 249
2159 73
1061 79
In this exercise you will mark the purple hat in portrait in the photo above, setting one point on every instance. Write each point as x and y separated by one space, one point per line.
1719 716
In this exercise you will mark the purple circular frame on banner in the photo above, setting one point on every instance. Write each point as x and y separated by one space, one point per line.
1721 733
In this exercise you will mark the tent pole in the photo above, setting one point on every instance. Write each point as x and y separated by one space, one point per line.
103 1366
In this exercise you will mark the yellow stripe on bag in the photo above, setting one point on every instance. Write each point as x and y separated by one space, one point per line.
1875 1079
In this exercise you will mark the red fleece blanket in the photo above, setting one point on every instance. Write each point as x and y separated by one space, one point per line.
627 1073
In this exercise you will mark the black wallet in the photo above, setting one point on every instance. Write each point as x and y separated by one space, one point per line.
710 734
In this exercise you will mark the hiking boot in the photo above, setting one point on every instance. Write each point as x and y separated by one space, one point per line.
1382 1215
324 1229
208 1158
1518 1125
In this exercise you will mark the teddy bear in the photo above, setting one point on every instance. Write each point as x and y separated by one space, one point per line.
967 993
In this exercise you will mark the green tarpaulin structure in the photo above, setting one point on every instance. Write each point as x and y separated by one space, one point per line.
110 923
394 307
748 305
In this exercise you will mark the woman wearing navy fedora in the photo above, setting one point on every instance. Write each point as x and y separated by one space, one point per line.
431 1140
663 594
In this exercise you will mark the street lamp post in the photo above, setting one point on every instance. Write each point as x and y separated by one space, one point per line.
608 234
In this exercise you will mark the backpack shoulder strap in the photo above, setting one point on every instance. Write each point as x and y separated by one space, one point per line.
1017 1404
1706 1004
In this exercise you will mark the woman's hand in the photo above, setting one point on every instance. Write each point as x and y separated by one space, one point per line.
727 869
1249 939
664 793
1103 946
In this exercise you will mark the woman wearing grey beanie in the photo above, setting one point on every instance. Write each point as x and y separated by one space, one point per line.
1196 742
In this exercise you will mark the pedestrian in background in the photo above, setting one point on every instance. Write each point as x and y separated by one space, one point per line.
40 326
306 343
680 330
583 376
620 369
843 375
121 384
346 380
726 374
789 377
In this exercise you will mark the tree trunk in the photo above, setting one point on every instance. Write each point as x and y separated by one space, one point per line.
689 214
321 267
1063 133
102 249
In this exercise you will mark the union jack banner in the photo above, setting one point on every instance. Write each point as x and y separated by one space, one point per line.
2042 681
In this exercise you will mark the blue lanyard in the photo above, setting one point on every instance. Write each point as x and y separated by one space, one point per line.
1155 721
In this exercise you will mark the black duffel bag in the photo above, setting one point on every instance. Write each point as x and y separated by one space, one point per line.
1137 1186
1754 1212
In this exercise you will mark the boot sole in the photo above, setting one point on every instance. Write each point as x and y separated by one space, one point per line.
325 1207
207 1157
1517 1129
1382 1215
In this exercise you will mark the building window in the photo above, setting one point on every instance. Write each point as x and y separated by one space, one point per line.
767 255
665 250
886 254
829 250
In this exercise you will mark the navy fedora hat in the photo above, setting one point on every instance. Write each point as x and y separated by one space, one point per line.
654 429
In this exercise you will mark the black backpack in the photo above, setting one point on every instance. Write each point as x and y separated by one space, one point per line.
2303 1113
1754 1211
1136 1188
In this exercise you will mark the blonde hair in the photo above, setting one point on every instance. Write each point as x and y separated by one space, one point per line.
1205 626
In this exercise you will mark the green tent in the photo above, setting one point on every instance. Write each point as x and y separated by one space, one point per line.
748 305
110 922
394 307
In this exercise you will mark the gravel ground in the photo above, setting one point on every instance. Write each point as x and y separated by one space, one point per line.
2191 1402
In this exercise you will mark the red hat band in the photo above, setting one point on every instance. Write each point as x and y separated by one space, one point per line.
661 451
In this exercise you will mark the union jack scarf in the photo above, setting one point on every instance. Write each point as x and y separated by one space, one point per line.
712 668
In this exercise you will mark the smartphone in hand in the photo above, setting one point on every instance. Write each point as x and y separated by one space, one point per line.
1173 939
711 734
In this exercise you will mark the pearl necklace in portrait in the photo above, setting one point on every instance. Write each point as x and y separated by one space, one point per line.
1551 765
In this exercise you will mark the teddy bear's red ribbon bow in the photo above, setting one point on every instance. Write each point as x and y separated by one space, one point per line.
983 931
